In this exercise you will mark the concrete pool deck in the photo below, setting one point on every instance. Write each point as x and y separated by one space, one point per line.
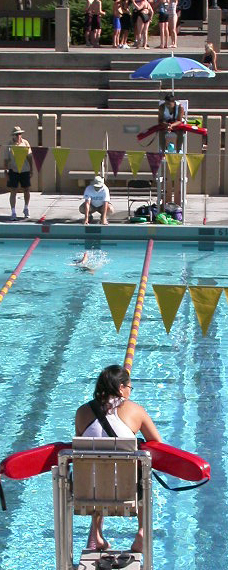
63 220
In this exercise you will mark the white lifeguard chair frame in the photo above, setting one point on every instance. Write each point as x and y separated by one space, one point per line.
161 176
104 481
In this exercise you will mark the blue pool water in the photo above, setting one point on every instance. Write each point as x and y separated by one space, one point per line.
56 336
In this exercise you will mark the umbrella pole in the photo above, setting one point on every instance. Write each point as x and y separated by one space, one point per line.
172 86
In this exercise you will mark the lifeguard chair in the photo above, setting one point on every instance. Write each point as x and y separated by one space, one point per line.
179 188
99 475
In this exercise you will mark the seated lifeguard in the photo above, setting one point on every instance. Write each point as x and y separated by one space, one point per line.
112 400
170 115
97 199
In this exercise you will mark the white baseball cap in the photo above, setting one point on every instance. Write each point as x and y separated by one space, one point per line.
98 182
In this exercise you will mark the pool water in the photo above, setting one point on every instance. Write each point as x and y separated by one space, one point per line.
56 336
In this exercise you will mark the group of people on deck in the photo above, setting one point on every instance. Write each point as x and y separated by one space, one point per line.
136 14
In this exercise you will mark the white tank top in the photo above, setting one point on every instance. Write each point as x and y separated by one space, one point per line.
95 429
170 116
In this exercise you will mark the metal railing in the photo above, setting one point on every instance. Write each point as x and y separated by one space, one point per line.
20 28
63 503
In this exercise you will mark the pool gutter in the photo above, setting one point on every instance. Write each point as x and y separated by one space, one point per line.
114 232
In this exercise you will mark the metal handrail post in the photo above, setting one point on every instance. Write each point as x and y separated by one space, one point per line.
147 513
158 181
164 182
63 469
184 179
55 486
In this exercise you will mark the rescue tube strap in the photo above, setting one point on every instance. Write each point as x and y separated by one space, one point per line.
178 489
2 497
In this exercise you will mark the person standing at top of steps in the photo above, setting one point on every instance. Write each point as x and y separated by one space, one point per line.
97 12
88 22
13 177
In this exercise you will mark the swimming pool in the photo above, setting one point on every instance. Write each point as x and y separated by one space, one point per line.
56 335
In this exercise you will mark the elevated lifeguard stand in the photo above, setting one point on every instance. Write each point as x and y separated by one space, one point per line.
99 475
164 184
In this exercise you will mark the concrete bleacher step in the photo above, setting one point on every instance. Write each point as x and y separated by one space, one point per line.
54 60
64 78
53 96
137 94
220 81
130 84
132 59
196 97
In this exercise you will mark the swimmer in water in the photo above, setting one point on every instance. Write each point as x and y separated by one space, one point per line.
82 263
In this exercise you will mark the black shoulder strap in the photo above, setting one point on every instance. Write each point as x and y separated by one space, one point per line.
100 415
174 111
2 498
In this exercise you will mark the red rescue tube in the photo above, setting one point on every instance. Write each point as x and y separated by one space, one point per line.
182 127
32 461
165 458
177 462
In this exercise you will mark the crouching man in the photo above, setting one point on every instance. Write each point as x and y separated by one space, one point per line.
97 199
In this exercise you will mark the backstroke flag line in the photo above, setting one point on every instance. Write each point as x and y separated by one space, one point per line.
20 154
135 159
205 300
168 298
39 154
96 157
61 155
119 297
194 162
173 161
116 157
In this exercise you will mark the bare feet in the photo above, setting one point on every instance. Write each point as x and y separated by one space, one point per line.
86 222
101 544
137 545
104 222
96 540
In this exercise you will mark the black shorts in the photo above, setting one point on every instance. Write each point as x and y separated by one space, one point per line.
125 22
96 22
15 178
88 21
135 14
163 17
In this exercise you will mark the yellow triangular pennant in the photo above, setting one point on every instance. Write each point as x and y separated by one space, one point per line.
194 161
168 298
118 296
205 300
173 161
20 154
135 159
60 155
96 157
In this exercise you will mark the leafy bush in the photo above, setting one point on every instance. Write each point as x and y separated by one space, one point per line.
77 17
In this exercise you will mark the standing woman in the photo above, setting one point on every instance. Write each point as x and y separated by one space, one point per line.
162 6
173 22
117 13
125 21
97 12
147 25
144 15
88 22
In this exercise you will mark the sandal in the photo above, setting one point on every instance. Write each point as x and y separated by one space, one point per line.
112 561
